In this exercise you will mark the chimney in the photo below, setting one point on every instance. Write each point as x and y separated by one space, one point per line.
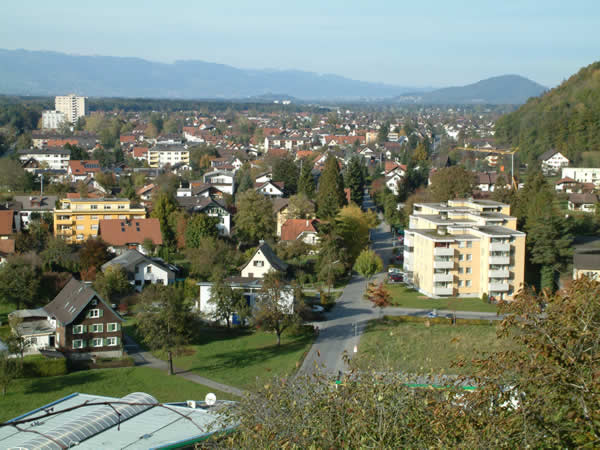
307 223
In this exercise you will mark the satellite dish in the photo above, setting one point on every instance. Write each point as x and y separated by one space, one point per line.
210 399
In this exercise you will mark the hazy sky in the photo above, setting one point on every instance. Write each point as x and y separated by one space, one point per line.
408 43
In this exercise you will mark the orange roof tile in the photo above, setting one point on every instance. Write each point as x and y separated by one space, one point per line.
122 232
6 222
292 228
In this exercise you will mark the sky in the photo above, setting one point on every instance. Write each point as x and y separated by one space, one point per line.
427 43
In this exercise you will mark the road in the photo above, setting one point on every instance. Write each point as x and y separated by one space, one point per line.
340 333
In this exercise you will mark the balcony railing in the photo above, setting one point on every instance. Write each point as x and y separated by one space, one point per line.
499 273
443 290
443 251
498 287
443 264
500 260
440 277
498 247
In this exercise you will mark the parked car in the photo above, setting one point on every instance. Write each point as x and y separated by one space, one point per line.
432 314
395 277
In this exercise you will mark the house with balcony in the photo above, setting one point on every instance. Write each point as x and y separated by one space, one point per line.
212 207
223 180
162 155
141 270
464 248
78 219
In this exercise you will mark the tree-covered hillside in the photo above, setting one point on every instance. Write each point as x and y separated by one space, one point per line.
566 118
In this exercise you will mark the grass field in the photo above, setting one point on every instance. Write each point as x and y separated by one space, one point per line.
409 298
239 357
416 348
26 394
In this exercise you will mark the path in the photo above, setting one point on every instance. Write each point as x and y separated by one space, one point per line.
143 358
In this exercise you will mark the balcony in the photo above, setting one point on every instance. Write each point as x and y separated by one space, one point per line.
499 273
443 251
443 277
498 287
438 290
497 247
443 264
500 260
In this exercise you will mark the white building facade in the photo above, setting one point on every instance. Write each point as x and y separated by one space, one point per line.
52 119
582 174
72 106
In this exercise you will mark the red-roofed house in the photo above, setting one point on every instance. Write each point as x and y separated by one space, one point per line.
123 235
7 247
7 223
568 185
303 154
300 229
79 170
140 153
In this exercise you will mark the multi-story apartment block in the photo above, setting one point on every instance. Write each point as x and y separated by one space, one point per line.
161 155
72 106
464 248
582 174
52 158
52 119
79 218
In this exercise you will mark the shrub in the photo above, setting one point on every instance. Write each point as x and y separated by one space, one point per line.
485 298
33 368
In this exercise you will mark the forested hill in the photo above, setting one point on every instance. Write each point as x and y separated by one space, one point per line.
566 118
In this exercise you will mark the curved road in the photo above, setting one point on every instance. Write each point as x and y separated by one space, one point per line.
340 333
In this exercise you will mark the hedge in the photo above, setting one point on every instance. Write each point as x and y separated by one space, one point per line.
35 368
440 320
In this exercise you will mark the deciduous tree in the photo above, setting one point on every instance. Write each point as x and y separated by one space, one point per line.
254 219
450 183
368 263
198 227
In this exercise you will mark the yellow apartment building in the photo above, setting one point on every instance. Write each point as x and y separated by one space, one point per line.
464 248
162 155
79 218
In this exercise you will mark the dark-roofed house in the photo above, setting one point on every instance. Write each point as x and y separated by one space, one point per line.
128 234
77 323
212 207
263 261
583 202
273 189
586 263
34 204
142 270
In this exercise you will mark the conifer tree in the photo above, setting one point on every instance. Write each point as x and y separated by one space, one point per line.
330 197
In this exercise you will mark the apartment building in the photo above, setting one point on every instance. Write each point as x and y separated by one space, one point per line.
582 174
52 158
52 119
464 248
162 155
72 106
79 218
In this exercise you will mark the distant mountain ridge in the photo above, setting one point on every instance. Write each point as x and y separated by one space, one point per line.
45 73
503 89
49 73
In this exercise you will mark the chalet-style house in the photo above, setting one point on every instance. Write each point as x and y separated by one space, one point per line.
273 189
127 234
142 270
213 207
262 262
77 323
582 202
80 170
552 161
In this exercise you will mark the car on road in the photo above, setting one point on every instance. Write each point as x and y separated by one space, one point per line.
432 314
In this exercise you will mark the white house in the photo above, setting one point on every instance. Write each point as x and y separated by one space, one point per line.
582 174
583 202
264 177
222 179
34 204
263 261
212 207
142 270
272 189
552 161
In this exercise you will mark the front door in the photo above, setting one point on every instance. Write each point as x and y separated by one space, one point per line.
52 341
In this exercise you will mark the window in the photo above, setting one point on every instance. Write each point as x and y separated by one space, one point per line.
461 270
80 227
94 313
122 217
468 283
469 244
121 206
259 263
94 217
93 206
97 342
111 341
469 257
461 244
460 283
80 237
95 227
468 270
80 217
461 257
97 328
78 343
149 269
107 207
108 217
112 327
78 329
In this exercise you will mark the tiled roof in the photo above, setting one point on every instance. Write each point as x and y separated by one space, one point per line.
583 199
84 167
6 221
271 257
139 152
292 228
7 246
123 232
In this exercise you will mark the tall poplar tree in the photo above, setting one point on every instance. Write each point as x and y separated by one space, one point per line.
330 197
306 182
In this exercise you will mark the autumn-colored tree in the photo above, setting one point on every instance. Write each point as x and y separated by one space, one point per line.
451 182
368 263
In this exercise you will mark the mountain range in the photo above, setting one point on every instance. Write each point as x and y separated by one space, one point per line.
27 72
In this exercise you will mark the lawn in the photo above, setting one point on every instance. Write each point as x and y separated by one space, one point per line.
26 394
239 357
414 347
405 297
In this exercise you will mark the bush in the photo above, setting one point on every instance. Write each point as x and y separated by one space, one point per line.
33 368
485 298
438 320
101 363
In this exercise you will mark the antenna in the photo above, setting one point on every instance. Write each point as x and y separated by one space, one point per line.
210 399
